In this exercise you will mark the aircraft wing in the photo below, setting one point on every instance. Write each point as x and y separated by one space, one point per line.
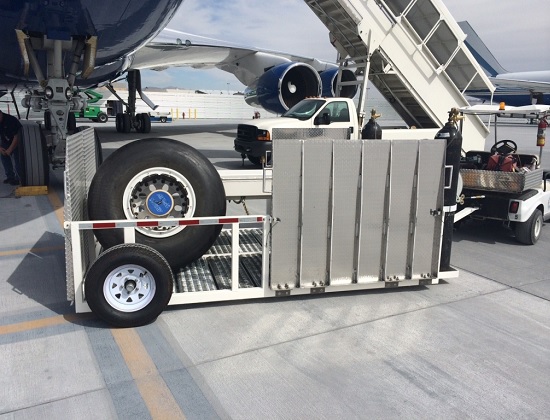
180 49
531 85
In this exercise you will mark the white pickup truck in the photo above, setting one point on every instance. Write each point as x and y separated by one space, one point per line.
254 139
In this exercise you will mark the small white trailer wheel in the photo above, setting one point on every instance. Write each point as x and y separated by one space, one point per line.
129 285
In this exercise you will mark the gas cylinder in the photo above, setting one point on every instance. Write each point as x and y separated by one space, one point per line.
452 135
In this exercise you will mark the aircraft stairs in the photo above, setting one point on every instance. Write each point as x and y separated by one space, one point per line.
414 53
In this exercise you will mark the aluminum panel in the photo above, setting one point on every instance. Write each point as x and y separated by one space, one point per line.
78 175
431 162
375 167
401 207
316 178
345 200
310 133
286 206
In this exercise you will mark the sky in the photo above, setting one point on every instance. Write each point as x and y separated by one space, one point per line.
516 31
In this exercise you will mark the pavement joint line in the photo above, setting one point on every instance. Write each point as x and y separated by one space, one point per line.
153 389
43 323
41 250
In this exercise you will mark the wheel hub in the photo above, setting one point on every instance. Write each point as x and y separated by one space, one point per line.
159 193
159 203
129 288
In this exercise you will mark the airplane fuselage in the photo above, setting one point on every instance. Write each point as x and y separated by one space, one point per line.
121 27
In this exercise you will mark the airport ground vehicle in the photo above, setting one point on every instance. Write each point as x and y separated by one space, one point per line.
254 140
315 238
413 53
92 112
503 184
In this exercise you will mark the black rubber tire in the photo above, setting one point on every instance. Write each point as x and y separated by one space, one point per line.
163 119
126 123
33 155
118 123
256 160
71 123
144 123
115 259
529 231
48 120
105 196
102 117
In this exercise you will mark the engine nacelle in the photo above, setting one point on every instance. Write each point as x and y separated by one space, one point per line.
283 86
329 79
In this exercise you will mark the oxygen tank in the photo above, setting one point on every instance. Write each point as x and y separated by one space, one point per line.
451 134
372 130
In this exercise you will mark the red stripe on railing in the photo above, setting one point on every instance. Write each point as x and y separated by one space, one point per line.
229 220
104 225
188 222
148 224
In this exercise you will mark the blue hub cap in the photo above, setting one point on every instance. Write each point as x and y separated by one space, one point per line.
160 203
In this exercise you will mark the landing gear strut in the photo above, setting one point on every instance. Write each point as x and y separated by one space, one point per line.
126 121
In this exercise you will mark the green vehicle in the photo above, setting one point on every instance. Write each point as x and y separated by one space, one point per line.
93 112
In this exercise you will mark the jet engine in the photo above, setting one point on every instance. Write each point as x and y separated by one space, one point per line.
283 86
329 79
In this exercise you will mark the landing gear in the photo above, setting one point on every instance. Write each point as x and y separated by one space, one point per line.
161 178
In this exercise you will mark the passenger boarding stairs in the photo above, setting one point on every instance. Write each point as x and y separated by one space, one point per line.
414 53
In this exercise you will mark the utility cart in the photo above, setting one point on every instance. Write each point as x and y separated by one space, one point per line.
504 184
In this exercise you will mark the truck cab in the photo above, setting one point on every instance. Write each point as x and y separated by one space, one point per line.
254 140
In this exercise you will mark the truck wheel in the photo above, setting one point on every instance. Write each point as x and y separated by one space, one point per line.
129 285
161 178
33 155
255 160
529 231
102 117
163 119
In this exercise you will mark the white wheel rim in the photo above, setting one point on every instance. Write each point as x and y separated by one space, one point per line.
165 186
129 288
537 227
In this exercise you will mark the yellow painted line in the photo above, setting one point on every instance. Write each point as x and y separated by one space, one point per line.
151 386
57 205
42 323
42 250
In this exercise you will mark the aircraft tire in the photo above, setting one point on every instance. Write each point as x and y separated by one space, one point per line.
129 285
71 123
185 184
33 155
118 123
126 123
144 123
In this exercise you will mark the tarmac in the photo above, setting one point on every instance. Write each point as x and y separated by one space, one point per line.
476 346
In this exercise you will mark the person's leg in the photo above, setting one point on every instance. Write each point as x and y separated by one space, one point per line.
8 167
18 174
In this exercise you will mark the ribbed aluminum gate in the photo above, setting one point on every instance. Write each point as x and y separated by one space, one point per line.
356 211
